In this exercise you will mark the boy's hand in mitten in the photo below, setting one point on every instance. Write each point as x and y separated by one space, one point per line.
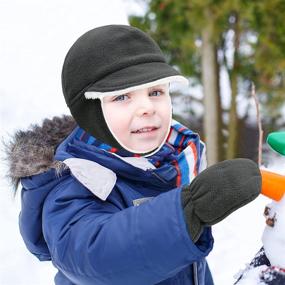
218 191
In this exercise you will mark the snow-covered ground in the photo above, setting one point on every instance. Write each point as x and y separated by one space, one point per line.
35 36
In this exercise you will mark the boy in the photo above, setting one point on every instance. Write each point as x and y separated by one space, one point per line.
125 208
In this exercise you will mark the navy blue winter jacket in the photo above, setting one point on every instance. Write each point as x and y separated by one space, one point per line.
120 240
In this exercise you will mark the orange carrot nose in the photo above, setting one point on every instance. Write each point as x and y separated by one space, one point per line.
273 184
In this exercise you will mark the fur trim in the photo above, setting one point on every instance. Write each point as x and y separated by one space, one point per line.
31 152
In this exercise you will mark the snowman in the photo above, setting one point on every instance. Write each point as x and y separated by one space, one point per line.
268 265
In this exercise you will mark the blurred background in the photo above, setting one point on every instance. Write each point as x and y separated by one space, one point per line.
223 47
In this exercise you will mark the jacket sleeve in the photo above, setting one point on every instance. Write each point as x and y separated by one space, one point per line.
95 242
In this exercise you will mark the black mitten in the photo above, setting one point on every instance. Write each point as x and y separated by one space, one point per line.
218 191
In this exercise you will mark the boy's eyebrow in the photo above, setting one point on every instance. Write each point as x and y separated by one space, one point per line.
110 98
161 86
164 86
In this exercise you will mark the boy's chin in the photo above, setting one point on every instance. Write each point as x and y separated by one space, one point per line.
143 149
144 144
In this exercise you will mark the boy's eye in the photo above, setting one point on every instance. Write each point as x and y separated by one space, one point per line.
156 93
121 98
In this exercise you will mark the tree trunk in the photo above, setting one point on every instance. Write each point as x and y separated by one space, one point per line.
221 138
212 122
233 120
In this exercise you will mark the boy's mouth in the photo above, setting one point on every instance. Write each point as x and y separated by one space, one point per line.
145 130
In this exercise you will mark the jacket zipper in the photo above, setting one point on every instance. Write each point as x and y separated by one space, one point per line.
160 178
195 273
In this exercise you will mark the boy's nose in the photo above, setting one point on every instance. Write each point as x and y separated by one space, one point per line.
145 107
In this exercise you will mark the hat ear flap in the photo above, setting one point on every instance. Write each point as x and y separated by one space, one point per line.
89 116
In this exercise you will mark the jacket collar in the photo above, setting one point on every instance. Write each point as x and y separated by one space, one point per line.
170 166
131 168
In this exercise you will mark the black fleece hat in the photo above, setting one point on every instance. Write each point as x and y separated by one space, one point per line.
110 60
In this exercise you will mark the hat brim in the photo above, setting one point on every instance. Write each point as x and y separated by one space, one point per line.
134 77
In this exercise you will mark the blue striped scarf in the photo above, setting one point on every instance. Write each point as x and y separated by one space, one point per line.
183 149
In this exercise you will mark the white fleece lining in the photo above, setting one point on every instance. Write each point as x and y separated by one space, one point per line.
138 162
100 95
98 179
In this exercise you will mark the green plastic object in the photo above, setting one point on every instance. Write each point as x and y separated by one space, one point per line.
277 141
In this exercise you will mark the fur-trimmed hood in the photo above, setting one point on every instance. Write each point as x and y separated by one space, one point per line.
31 152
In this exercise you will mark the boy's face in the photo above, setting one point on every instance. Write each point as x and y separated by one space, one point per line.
139 120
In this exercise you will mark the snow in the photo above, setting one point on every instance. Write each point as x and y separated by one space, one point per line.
237 240
273 238
252 277
35 36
